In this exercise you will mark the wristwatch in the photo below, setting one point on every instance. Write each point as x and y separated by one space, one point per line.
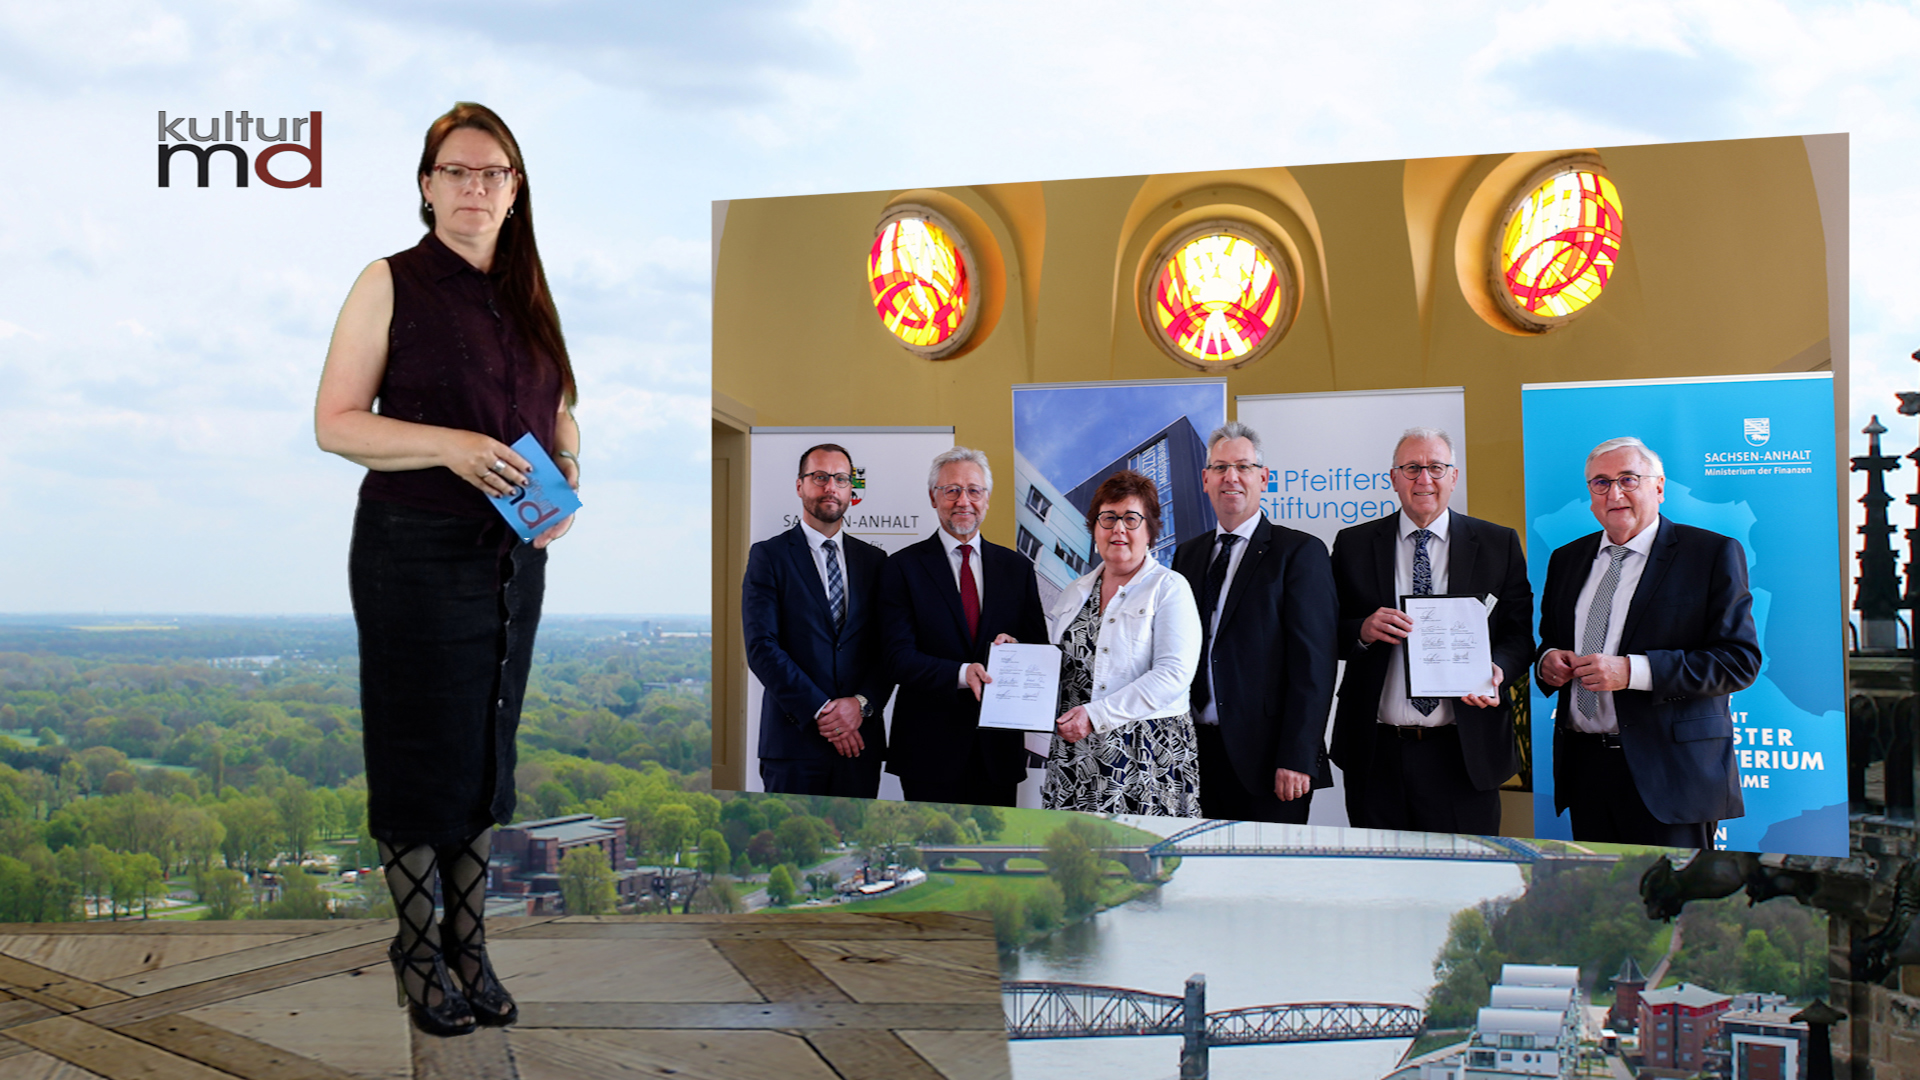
866 707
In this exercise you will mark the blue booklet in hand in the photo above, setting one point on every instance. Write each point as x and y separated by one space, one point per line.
545 501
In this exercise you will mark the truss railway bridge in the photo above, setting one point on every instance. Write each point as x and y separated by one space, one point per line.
1056 1010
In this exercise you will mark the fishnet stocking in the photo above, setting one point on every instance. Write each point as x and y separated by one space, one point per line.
463 888
410 877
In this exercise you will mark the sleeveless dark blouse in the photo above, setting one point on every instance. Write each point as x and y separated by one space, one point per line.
456 359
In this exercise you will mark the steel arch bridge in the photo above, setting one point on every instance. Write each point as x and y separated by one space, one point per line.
1242 838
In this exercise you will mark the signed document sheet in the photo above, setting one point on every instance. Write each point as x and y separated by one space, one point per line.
1448 654
1025 692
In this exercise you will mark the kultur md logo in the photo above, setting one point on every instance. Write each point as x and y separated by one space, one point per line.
226 135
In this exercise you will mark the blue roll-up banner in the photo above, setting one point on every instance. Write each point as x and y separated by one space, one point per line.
1751 457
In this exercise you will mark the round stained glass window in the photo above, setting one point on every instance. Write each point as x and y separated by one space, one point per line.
1220 295
922 281
1558 244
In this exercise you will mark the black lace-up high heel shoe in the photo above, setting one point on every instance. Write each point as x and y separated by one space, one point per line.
452 1015
490 1002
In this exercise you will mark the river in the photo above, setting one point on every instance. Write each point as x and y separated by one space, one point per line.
1264 931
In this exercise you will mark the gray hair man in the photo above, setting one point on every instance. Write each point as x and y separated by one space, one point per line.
1430 764
1646 629
943 601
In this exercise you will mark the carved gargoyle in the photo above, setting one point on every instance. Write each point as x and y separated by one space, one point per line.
1710 875
1897 942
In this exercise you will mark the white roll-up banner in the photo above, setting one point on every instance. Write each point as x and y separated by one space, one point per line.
1329 455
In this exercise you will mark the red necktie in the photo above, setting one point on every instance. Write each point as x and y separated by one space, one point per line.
969 593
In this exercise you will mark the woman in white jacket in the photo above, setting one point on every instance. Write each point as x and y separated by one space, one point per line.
1131 634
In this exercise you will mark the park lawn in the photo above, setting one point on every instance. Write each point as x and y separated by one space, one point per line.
1028 825
942 892
968 892
1625 851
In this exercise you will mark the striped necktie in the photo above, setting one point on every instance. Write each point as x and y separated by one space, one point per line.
836 587
1423 586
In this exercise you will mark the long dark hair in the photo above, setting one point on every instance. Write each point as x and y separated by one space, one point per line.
523 281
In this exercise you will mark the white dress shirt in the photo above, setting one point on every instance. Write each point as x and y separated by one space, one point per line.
1639 671
979 579
1395 707
1211 714
816 541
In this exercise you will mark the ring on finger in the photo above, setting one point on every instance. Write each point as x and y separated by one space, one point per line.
499 466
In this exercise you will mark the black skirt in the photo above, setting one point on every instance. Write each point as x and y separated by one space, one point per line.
446 609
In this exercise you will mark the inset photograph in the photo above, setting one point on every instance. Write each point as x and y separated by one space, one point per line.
1231 569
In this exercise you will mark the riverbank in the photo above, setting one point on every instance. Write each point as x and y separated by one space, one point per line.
977 891
1025 902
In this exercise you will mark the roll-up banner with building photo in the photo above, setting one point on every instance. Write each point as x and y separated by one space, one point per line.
1750 457
1329 456
1069 437
890 508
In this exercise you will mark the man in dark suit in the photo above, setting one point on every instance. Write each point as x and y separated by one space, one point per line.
1425 763
1266 675
1646 627
813 640
942 602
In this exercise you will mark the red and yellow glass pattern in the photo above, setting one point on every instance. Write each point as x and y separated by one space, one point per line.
1217 298
1560 245
919 279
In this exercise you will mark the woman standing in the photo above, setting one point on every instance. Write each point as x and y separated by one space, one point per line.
1131 633
458 342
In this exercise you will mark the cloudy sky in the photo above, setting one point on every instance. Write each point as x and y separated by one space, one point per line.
159 348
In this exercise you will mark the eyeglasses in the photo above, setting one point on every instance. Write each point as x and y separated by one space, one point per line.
828 479
1600 485
954 491
1110 520
1219 469
492 178
1412 472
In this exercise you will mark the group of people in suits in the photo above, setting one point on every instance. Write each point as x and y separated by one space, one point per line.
1204 689
833 625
